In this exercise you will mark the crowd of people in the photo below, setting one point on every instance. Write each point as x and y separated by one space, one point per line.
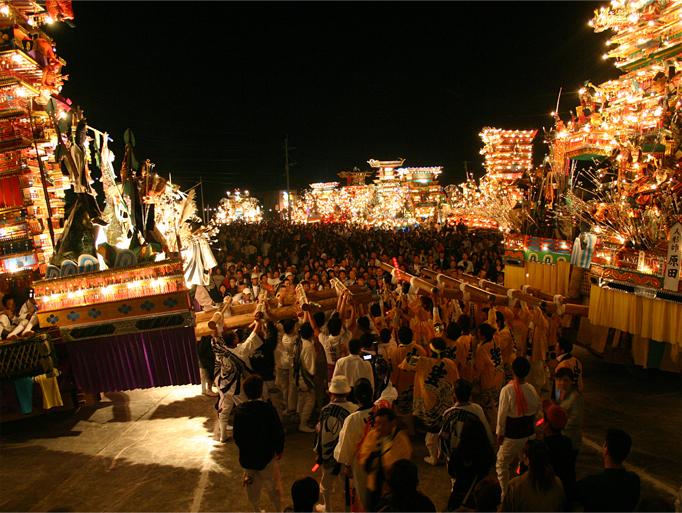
495 390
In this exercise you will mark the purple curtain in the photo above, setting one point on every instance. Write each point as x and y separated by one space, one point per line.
138 360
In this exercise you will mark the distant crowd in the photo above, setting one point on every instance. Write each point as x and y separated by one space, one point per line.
495 391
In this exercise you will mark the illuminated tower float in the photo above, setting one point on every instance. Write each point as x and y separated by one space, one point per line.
31 182
629 128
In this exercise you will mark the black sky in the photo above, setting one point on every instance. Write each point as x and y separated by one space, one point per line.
210 89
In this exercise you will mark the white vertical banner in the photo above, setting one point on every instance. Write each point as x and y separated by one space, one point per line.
672 260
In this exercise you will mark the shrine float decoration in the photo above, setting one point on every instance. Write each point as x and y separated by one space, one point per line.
620 157
117 284
237 206
116 279
32 187
398 196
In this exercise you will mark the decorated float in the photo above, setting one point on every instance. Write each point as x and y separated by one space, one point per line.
32 200
599 220
106 272
398 196
629 194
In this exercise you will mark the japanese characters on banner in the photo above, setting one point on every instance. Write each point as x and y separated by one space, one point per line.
672 272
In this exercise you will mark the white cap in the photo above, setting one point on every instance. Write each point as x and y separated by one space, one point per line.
339 385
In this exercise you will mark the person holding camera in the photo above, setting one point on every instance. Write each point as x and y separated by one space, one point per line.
354 366
331 421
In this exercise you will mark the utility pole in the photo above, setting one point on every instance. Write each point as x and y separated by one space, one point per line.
203 209
466 169
286 171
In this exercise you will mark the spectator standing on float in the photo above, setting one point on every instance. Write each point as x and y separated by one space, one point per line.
259 436
518 409
615 489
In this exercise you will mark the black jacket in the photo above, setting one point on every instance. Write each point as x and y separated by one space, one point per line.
258 434
563 462
612 490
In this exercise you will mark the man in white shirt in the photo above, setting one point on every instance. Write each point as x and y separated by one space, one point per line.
305 369
334 337
284 364
354 366
518 410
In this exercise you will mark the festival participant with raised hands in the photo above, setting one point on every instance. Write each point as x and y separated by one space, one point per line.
318 323
402 374
489 371
232 366
537 350
519 325
353 366
505 340
385 343
464 349
335 342
434 392
422 320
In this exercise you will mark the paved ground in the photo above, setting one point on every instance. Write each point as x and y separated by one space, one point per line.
154 450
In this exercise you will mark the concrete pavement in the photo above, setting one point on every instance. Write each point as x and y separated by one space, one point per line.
154 450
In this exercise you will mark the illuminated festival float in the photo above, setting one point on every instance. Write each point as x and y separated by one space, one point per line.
237 206
607 199
491 201
32 188
113 305
628 193
397 196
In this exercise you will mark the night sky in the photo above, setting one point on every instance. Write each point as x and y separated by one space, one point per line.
211 89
